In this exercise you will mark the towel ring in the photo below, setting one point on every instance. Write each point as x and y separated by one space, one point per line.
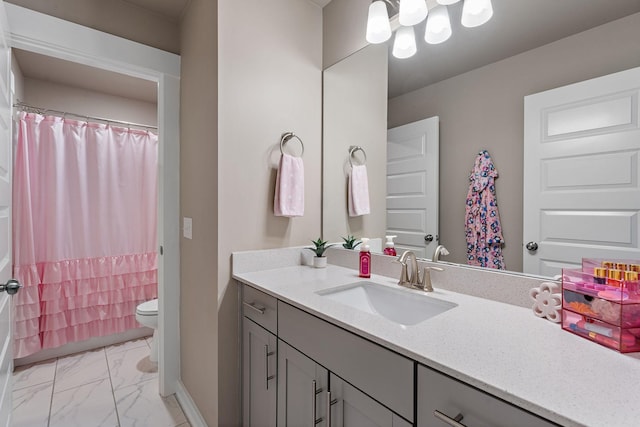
286 137
352 151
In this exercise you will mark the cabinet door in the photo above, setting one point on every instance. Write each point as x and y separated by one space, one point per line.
352 408
259 364
302 389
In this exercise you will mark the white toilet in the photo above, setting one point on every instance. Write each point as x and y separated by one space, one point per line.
147 315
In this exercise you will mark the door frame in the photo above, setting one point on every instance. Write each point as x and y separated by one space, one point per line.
43 34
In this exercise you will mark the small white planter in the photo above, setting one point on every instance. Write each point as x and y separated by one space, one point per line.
319 261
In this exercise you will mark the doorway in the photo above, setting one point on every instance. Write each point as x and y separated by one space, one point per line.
45 35
70 91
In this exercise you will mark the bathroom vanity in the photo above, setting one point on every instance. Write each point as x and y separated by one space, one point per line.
312 356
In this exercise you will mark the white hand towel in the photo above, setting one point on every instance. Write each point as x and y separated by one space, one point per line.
358 191
289 197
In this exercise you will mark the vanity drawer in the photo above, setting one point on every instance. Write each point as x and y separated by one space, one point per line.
380 373
451 397
260 307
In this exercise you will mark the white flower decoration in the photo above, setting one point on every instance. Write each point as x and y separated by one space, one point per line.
546 301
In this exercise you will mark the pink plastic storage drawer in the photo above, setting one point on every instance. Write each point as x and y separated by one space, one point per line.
602 305
625 340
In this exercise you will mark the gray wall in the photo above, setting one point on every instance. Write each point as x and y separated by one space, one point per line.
270 82
199 200
483 109
55 96
343 29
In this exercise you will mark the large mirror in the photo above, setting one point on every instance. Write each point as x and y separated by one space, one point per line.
475 83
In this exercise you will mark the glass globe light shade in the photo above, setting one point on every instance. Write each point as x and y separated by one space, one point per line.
438 25
412 12
404 45
378 26
476 12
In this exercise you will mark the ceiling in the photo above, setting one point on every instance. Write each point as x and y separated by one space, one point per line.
41 67
516 26
175 8
172 9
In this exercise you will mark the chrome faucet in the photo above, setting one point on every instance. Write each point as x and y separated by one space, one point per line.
414 280
440 250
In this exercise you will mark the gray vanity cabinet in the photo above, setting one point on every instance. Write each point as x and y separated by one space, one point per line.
441 399
371 385
305 387
259 380
260 358
316 365
351 407
302 389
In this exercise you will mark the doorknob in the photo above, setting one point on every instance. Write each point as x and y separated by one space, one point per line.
532 246
428 238
11 287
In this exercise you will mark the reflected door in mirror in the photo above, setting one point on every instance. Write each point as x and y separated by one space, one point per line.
582 181
412 186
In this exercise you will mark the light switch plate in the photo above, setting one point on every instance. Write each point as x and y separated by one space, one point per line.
187 227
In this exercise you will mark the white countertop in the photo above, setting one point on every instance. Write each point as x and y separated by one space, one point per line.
499 348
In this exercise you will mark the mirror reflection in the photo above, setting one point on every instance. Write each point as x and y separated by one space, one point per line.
475 84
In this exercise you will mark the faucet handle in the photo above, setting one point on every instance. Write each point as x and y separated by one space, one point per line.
426 278
404 275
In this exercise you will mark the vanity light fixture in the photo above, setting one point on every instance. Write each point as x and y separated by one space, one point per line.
438 25
378 26
404 45
412 12
476 12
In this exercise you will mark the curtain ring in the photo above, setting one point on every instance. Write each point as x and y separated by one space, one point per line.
286 137
352 151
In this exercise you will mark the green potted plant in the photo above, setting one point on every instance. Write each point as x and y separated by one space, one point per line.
350 242
319 246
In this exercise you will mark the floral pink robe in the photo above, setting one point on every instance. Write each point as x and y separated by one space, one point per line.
482 220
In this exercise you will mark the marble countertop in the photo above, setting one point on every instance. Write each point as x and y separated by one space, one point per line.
499 348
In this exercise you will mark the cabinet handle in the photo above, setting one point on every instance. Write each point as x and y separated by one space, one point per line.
314 393
252 306
267 353
453 422
330 403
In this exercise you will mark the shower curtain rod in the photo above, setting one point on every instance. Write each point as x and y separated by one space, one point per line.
39 110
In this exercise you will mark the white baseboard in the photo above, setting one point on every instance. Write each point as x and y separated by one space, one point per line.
189 407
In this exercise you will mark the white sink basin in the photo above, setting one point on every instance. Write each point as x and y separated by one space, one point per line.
397 305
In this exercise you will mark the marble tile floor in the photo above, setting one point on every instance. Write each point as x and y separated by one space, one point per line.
115 386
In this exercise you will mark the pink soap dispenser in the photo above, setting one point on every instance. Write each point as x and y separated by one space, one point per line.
389 247
365 259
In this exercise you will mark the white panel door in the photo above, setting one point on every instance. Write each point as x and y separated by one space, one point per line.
581 175
412 186
6 160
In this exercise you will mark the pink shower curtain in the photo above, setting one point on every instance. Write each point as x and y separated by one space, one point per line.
84 229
